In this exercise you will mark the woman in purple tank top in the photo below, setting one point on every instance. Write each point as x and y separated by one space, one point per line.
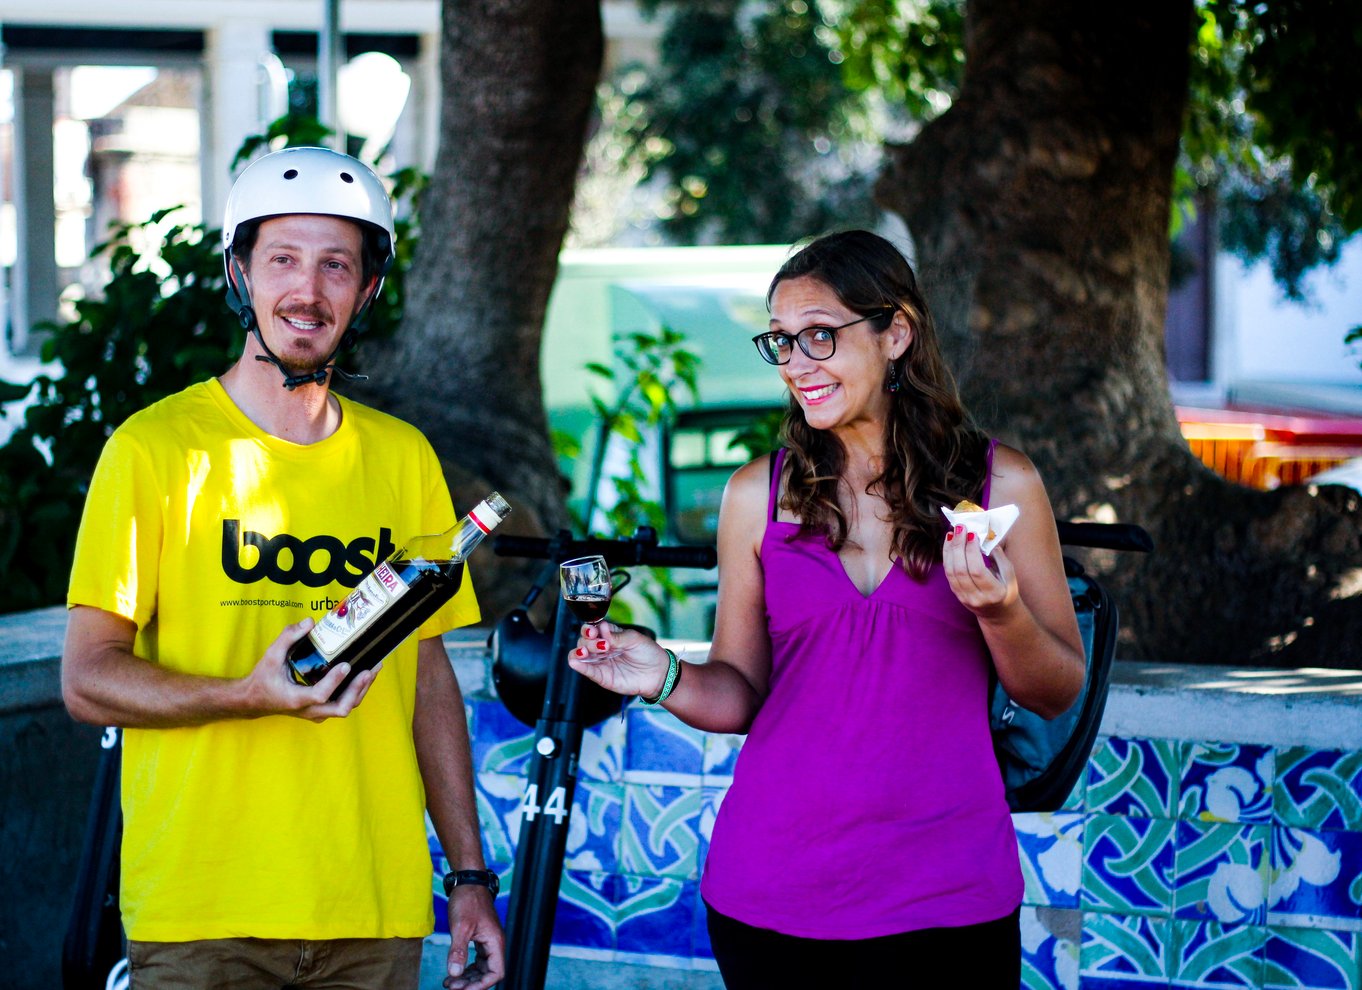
866 830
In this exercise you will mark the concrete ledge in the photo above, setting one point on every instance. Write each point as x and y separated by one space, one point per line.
30 651
1307 707
1315 707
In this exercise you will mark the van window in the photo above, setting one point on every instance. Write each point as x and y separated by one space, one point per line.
701 456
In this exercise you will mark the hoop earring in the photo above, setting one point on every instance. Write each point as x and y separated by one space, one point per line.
892 383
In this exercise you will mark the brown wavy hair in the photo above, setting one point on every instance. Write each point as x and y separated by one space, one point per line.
933 453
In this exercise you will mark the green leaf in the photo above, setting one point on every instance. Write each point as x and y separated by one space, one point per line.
565 444
161 214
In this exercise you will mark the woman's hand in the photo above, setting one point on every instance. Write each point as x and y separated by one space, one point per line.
987 586
638 664
1023 605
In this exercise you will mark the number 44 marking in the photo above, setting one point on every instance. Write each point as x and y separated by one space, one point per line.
555 806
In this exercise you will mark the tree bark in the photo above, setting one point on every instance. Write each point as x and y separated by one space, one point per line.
1039 207
518 82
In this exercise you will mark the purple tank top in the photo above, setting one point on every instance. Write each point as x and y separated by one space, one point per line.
866 799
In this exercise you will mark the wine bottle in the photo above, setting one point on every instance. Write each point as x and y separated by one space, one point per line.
404 590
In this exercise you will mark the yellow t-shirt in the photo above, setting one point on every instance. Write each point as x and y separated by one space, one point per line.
211 536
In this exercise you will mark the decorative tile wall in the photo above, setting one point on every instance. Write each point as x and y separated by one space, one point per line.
1175 863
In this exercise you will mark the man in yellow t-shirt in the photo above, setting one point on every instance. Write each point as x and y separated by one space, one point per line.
274 837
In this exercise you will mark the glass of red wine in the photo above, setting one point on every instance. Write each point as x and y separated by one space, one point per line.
587 589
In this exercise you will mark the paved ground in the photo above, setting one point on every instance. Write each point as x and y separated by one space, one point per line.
582 974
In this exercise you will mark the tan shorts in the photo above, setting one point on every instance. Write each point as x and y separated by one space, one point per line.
274 963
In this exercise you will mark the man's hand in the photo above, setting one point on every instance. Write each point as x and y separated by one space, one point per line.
271 689
105 683
473 918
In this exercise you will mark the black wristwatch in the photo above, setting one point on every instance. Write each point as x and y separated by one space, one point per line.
481 878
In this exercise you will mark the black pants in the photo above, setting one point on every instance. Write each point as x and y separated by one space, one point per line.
981 957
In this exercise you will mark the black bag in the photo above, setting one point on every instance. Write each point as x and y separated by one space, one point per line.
521 654
94 946
1042 760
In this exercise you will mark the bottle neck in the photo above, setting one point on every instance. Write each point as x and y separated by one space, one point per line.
468 533
457 542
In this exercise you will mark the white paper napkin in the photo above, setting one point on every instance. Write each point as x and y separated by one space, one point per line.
988 527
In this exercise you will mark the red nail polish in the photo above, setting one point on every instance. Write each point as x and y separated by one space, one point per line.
579 652
949 537
600 644
969 537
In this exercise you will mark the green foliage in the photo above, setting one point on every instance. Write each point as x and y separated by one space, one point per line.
911 52
407 185
761 119
749 124
1302 78
1271 121
160 325
761 435
294 130
1269 215
638 399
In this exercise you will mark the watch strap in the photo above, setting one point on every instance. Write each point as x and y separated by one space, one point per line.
479 878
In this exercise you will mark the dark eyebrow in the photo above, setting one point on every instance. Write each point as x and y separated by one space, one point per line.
270 247
825 320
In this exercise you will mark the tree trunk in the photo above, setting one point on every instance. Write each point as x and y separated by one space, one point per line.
518 81
1039 208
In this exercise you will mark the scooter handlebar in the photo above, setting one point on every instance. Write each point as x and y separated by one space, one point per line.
1105 536
617 553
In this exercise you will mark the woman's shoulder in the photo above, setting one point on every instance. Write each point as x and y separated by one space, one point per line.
1015 478
749 487
755 474
1009 458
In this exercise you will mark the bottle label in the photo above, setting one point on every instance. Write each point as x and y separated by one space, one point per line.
366 603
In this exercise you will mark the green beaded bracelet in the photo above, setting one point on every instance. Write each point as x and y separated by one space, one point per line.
669 685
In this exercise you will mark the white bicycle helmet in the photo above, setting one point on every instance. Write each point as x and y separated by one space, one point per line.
305 180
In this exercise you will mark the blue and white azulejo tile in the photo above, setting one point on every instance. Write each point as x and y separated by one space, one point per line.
660 837
1225 782
1222 872
1124 951
1316 879
1319 788
1312 959
1050 940
661 749
1134 778
1051 848
1128 865
1217 957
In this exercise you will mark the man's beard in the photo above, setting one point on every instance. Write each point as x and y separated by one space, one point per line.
296 367
309 363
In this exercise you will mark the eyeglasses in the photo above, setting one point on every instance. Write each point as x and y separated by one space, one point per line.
820 343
